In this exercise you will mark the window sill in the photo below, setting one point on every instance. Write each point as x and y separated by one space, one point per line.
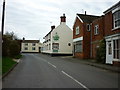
115 28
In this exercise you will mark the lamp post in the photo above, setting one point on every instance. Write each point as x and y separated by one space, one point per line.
3 17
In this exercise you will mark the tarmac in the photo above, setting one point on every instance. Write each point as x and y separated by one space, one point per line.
109 67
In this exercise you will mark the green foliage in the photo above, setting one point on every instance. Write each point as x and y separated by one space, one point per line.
101 52
10 45
18 56
7 63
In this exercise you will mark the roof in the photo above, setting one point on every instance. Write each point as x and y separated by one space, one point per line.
87 18
30 41
113 7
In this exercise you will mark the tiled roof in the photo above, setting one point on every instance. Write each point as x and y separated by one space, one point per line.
113 7
87 18
30 41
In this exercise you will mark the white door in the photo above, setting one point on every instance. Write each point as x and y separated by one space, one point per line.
109 53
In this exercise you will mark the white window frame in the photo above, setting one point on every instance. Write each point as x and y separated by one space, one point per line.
25 48
78 46
96 29
77 30
33 48
116 51
88 26
116 19
26 44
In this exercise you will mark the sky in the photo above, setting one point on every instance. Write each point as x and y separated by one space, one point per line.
33 19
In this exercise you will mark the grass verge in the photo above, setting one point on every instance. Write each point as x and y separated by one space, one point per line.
7 63
18 56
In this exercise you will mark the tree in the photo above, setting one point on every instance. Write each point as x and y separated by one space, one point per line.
101 52
10 45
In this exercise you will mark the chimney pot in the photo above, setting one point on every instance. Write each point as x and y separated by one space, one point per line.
52 27
85 12
63 18
23 38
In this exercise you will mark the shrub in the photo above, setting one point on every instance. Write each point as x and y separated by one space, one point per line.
101 52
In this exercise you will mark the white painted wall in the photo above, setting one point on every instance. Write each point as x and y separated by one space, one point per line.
30 47
66 36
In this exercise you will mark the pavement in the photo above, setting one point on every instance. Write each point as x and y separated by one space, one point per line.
109 67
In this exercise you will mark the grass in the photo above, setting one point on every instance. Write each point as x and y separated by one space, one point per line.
7 63
18 56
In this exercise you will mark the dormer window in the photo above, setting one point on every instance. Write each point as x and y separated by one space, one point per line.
77 31
116 19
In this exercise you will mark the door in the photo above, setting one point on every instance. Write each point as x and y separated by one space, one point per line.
109 54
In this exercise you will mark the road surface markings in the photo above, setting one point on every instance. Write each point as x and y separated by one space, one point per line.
75 80
51 64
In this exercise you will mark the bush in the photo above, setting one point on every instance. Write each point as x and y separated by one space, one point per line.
10 45
101 52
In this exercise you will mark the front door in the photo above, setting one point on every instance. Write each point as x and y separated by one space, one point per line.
109 54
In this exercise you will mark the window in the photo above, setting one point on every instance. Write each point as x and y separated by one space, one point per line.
33 44
77 30
33 48
116 19
96 28
116 49
26 44
88 27
26 48
55 47
69 44
78 46
109 48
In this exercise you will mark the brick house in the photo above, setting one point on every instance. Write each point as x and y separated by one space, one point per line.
82 35
97 35
112 34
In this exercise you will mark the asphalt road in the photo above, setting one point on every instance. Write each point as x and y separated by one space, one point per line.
44 71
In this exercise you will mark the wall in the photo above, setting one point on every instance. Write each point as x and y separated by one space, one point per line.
30 47
109 25
97 38
65 36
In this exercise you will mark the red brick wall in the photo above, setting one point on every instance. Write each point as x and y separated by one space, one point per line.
96 38
109 25
86 39
80 24
79 55
100 22
86 42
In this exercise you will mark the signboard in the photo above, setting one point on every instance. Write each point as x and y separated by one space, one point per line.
56 37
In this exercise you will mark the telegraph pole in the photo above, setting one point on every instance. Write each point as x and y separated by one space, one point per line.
3 17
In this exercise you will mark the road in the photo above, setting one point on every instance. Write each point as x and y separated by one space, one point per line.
44 71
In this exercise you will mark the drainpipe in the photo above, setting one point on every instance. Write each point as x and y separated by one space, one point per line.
91 40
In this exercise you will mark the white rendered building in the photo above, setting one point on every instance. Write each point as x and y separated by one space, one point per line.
31 46
59 39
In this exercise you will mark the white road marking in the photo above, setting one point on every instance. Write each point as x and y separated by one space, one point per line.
51 64
75 80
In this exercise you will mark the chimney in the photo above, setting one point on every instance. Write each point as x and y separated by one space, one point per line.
52 27
85 12
63 19
23 38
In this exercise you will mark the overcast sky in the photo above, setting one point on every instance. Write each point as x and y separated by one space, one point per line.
32 19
